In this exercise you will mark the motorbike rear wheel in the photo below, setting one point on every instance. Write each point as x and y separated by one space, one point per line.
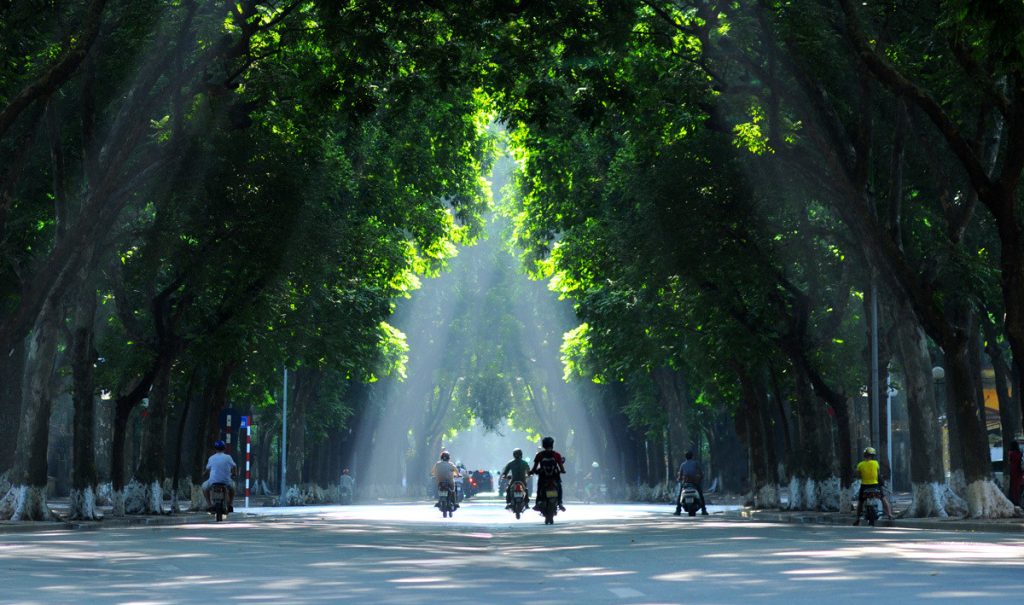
549 512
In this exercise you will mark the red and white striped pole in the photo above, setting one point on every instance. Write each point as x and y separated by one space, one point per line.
248 456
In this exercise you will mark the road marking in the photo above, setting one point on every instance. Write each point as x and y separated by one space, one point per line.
626 593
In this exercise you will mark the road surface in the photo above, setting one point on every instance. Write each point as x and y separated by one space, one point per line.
593 554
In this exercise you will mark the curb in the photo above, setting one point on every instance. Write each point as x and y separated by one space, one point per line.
24 527
837 519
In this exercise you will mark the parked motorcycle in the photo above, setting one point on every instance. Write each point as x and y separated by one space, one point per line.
689 499
219 500
519 499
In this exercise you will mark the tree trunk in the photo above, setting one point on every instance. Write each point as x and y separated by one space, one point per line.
930 494
144 493
763 488
123 406
1009 410
83 360
814 485
674 398
984 499
12 373
26 498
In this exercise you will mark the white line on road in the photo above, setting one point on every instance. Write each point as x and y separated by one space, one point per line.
625 593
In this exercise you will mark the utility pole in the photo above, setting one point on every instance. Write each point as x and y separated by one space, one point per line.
875 432
284 438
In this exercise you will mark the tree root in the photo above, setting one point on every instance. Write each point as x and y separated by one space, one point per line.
26 503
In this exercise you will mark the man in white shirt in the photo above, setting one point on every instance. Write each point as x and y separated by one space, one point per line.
221 468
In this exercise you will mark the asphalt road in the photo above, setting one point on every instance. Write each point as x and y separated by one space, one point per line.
594 554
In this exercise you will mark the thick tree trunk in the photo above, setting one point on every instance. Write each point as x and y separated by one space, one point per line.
83 360
674 398
984 499
144 493
26 498
1012 276
814 484
763 488
123 406
785 424
930 494
306 387
12 373
1009 409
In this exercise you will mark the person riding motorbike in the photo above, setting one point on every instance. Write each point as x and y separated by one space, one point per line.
548 464
867 470
690 472
444 473
517 469
221 469
347 483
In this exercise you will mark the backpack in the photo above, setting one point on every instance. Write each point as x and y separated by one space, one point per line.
548 467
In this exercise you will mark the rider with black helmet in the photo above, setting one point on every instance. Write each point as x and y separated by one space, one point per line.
545 459
517 469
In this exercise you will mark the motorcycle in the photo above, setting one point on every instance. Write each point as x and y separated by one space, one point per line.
689 499
344 495
872 504
547 499
219 500
446 501
519 499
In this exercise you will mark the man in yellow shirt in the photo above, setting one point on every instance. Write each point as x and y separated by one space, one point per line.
867 470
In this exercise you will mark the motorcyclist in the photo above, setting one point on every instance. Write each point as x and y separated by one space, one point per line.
867 470
548 464
690 472
444 473
347 483
221 469
517 469
592 482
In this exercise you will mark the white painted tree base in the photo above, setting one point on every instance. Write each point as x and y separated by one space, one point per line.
103 494
117 502
986 501
929 500
26 503
142 499
808 494
766 497
83 505
197 500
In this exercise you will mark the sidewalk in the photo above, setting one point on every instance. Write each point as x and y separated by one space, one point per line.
60 507
835 518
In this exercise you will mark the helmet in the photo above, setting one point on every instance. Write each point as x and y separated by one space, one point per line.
445 456
595 464
869 451
218 445
548 442
517 453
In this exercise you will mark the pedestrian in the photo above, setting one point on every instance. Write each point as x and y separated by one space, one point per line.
1015 472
